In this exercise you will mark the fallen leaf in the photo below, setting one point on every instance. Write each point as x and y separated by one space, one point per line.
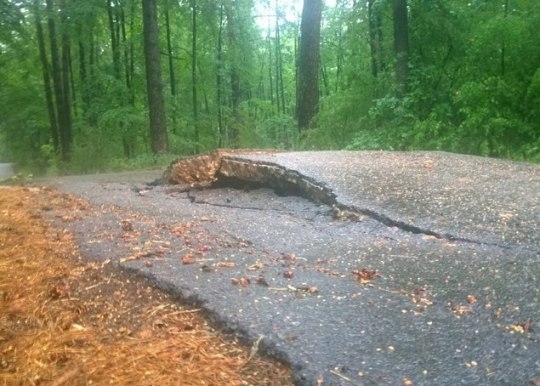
127 226
291 257
262 281
243 281
161 250
462 309
365 275
522 327
288 274
188 259
58 290
255 267
204 248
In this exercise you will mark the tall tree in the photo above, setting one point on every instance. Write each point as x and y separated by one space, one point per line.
219 78
375 37
60 76
194 85
158 125
308 62
234 75
401 45
53 123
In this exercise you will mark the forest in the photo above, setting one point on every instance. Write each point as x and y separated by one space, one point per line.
99 85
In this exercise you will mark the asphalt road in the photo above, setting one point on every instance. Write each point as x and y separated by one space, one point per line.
421 267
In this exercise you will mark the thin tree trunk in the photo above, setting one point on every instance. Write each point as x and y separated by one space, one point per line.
401 45
375 37
156 103
270 74
172 78
339 54
219 77
131 52
234 79
72 84
277 56
126 54
111 12
170 56
194 100
503 43
66 127
60 92
46 79
325 81
308 63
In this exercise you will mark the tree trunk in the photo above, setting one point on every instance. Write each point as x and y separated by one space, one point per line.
67 123
172 77
375 37
60 85
503 42
194 97
234 78
401 45
219 78
113 28
308 63
156 104
46 79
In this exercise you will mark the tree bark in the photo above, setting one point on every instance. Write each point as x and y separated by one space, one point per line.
308 63
234 77
67 122
46 79
158 126
401 45
172 77
375 37
194 85
60 84
219 78
115 38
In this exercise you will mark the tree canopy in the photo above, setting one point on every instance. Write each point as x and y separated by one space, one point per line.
78 92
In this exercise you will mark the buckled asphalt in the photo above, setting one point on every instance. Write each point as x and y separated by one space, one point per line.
425 267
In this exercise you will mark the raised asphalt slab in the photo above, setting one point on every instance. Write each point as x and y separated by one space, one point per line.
419 267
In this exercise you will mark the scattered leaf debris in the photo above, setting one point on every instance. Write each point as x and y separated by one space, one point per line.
68 321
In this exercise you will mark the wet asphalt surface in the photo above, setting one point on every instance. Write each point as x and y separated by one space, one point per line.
454 239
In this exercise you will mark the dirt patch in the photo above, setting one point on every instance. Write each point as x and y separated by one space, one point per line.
68 321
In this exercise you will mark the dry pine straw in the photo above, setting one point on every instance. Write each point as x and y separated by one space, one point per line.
67 321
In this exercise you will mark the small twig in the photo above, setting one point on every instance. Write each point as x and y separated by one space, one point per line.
255 348
67 377
94 286
278 289
345 378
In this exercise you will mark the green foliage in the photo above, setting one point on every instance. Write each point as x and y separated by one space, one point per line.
473 87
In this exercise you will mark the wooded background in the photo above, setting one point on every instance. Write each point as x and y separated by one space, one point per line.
94 85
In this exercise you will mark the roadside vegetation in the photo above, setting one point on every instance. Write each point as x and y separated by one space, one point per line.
93 85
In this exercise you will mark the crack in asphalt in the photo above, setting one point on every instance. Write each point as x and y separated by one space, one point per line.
291 182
